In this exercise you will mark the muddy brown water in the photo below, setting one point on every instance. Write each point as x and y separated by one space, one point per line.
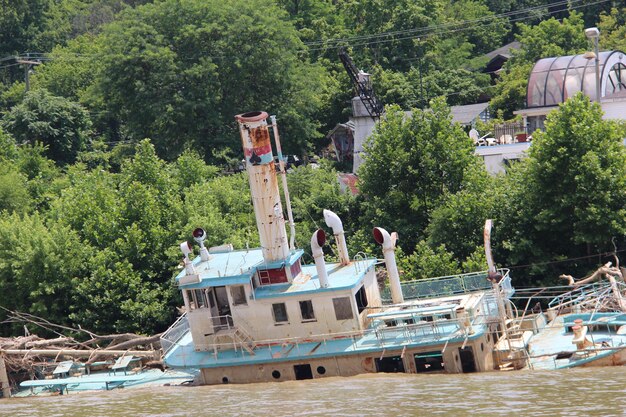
575 392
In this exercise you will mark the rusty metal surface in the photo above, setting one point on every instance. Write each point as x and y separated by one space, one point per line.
264 189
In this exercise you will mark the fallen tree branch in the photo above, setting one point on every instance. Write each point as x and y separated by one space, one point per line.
135 342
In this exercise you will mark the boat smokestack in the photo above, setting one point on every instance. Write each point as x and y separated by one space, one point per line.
388 243
317 241
255 138
334 222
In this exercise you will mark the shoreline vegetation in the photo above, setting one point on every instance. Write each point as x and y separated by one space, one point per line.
118 147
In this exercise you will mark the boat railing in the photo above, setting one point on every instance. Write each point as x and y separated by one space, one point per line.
381 336
578 295
450 285
360 262
174 333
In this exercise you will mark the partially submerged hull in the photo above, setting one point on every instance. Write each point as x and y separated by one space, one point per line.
603 344
260 315
104 381
431 333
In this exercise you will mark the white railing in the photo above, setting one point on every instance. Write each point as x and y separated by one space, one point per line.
383 337
451 285
175 332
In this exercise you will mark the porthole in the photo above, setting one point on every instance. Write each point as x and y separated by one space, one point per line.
276 374
225 380
482 347
456 358
488 338
321 370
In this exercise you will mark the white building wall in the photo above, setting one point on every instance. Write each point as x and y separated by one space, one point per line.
614 110
495 157
363 127
256 318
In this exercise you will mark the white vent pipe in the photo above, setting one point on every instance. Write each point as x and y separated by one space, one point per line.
388 243
334 222
317 241
186 249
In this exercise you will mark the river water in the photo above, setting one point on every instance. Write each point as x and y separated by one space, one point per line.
574 392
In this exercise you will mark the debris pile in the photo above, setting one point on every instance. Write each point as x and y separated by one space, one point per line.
33 357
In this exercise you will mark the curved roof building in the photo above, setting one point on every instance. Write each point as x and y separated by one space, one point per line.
554 80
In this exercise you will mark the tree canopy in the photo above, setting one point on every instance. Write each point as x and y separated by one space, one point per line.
110 160
411 163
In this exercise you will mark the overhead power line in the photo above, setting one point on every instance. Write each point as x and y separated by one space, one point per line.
446 28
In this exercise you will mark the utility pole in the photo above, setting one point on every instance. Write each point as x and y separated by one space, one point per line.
28 64
419 65
593 34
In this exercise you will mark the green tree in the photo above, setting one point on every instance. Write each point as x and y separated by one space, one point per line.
549 38
613 30
178 72
18 20
72 69
60 124
8 149
39 263
567 199
132 222
427 262
459 220
410 164
312 191
14 196
396 51
459 86
191 169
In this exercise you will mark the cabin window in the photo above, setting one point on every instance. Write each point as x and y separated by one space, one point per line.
238 293
343 308
361 299
198 299
280 313
306 310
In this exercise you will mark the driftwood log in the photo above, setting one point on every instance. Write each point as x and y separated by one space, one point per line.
613 274
26 357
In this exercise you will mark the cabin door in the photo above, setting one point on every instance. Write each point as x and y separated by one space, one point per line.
223 307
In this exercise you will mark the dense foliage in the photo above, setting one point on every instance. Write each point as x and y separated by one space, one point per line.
92 212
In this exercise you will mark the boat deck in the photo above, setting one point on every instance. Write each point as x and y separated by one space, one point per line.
184 354
104 381
544 347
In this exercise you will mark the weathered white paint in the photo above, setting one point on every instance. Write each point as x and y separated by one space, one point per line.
317 241
264 186
389 245
363 127
333 221
349 365
256 318
4 379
